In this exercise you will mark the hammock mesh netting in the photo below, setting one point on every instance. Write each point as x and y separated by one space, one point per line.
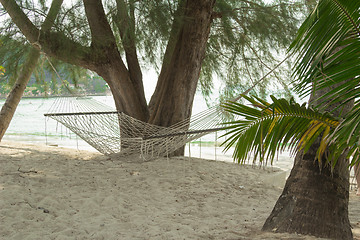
109 131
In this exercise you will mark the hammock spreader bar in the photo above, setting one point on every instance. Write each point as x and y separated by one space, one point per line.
79 113
184 133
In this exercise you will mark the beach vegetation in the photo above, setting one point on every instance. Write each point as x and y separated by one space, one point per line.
265 129
324 134
49 76
17 91
2 70
188 43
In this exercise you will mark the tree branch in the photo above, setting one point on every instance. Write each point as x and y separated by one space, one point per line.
101 34
169 52
126 26
21 20
56 44
52 43
52 14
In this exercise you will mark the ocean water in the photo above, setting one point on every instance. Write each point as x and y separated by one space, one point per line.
30 125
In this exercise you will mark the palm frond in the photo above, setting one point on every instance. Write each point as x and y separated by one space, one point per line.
264 129
328 46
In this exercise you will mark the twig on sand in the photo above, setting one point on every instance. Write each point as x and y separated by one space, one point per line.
29 171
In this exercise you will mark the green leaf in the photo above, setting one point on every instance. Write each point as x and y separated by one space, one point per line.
264 129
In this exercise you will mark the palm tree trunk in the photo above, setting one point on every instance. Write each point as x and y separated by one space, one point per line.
12 101
315 199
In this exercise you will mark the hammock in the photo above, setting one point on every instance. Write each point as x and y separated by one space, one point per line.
109 131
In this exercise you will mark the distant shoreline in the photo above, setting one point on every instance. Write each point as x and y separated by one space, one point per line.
56 96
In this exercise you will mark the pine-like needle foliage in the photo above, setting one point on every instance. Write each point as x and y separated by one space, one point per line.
246 37
246 42
17 50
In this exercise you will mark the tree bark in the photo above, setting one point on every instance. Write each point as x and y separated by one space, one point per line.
174 94
128 96
15 95
315 199
173 98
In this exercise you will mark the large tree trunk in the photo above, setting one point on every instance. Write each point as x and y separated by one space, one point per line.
315 199
125 83
173 98
12 101
127 98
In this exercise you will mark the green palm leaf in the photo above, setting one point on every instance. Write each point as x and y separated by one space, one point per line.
328 57
332 27
328 47
264 129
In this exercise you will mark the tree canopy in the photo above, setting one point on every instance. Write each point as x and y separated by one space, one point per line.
16 49
185 40
245 36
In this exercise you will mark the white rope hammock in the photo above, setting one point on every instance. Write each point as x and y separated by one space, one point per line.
109 131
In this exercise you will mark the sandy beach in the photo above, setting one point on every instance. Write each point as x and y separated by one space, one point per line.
57 193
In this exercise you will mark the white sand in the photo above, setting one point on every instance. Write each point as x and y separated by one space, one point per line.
55 193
